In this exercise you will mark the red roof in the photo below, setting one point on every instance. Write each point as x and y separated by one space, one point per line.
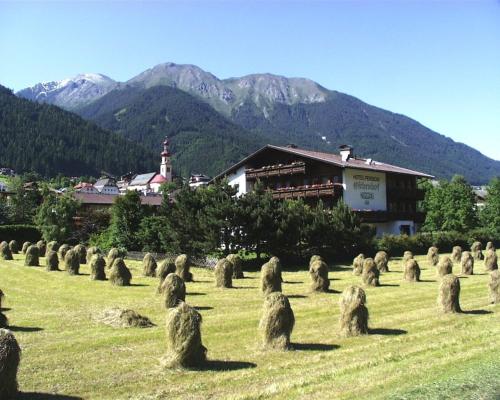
159 178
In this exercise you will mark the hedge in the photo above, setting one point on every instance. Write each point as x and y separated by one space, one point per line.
396 245
21 233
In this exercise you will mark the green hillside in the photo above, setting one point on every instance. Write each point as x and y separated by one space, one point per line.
49 140
203 141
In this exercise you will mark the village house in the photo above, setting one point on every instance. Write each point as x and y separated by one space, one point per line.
383 195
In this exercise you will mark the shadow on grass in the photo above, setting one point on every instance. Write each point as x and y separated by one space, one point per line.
45 396
296 296
477 312
387 331
203 308
244 287
5 308
196 294
293 282
314 346
219 365
139 284
427 280
389 285
15 328
197 281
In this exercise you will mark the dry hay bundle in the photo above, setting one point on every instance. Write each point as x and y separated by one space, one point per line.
5 252
456 254
357 264
433 256
491 260
494 286
10 355
113 254
32 254
315 258
353 312
182 265
91 252
52 261
119 274
412 271
445 266
165 268
123 318
408 255
81 251
370 273
236 261
63 249
382 261
489 246
2 295
223 273
4 322
449 294
72 262
25 247
51 246
318 271
42 247
149 265
467 262
277 321
475 249
14 246
174 289
184 345
97 267
270 275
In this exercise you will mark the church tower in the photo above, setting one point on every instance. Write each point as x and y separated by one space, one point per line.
166 165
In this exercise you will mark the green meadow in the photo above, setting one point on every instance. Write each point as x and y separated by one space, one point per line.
412 352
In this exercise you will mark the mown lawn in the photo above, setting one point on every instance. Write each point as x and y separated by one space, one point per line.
413 352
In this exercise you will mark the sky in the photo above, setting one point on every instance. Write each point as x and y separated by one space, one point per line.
435 61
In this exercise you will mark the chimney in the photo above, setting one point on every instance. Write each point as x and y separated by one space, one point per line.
345 152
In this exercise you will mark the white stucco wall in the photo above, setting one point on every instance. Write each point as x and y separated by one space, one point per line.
364 190
238 178
393 227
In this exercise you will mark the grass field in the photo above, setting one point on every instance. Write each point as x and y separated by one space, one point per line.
413 351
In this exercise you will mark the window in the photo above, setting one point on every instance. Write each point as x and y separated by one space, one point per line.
404 229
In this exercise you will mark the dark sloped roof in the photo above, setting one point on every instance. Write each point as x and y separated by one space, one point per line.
109 199
334 159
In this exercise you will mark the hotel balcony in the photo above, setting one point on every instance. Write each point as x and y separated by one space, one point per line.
276 170
384 216
311 191
397 193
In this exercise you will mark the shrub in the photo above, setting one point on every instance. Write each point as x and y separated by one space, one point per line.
20 233
353 312
277 321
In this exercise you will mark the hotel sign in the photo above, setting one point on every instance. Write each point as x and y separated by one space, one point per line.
365 190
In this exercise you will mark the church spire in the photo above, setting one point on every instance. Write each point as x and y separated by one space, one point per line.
166 166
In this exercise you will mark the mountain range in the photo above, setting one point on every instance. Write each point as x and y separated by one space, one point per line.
214 122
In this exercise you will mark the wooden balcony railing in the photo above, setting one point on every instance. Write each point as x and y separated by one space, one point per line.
313 191
384 216
396 193
276 170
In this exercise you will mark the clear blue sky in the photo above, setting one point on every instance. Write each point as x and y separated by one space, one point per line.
437 62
